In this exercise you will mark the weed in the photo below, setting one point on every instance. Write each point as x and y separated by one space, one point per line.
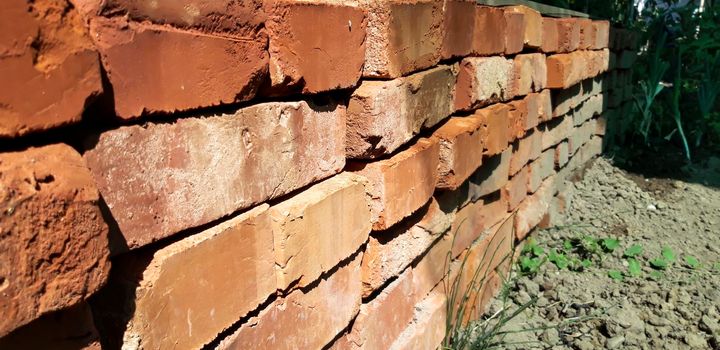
610 244
616 275
633 251
634 269
692 262
659 263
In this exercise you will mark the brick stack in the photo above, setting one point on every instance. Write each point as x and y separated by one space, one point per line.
280 174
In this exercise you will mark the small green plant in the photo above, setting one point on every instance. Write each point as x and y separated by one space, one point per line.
610 244
634 268
616 275
668 254
633 251
659 263
692 262
559 259
532 248
530 265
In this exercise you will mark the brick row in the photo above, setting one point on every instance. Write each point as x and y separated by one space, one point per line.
566 70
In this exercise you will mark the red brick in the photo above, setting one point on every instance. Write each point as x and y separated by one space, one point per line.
57 260
475 219
166 307
562 154
385 115
533 209
524 150
49 67
516 188
490 29
482 81
462 140
496 119
67 329
551 39
158 179
563 101
529 74
587 33
602 35
541 169
388 253
491 176
533 34
304 319
597 62
198 70
317 228
402 37
514 32
411 175
519 122
432 267
533 102
427 330
459 28
566 70
315 47
568 34
545 106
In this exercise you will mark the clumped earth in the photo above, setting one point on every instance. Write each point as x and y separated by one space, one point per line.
594 288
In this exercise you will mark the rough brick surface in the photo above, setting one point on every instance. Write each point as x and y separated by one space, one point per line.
545 106
388 253
587 33
562 154
533 33
304 319
491 176
541 169
384 115
427 330
551 36
490 29
475 219
524 150
459 28
315 46
516 188
529 74
402 37
482 81
519 123
477 30
496 119
317 228
159 179
199 70
532 210
556 131
393 197
568 34
59 259
167 309
67 329
49 68
514 31
602 35
462 140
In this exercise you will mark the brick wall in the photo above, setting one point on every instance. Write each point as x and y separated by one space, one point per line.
281 174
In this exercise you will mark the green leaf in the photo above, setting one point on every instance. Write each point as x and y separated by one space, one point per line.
560 260
586 263
633 251
567 245
656 275
668 253
537 250
692 261
616 275
634 268
659 263
610 244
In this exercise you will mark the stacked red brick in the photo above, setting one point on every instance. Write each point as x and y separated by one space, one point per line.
392 136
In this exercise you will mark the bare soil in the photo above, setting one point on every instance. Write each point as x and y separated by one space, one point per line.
674 308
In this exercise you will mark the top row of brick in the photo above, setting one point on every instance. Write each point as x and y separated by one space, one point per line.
164 56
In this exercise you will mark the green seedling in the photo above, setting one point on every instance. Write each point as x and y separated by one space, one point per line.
559 259
585 263
633 251
656 275
531 247
668 254
530 266
567 245
634 268
616 275
610 244
692 262
659 263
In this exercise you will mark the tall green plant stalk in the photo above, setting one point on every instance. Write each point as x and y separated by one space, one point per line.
677 89
651 87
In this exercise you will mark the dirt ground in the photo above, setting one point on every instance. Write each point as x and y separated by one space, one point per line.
677 307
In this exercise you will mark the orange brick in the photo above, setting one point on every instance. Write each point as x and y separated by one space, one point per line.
167 310
541 169
516 188
475 219
317 228
462 140
587 33
524 150
304 319
533 34
159 179
532 210
529 74
54 242
70 328
496 119
566 70
519 122
514 31
377 126
491 176
427 330
411 175
490 27
432 267
545 106
568 34
562 154
533 102
459 28
388 253
482 81
314 47
602 35
402 37
551 37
